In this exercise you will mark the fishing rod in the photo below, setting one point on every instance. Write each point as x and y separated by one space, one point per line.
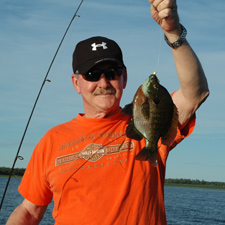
45 79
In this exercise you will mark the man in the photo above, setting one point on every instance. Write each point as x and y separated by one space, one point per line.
87 165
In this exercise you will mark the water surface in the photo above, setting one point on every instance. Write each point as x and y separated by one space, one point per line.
184 206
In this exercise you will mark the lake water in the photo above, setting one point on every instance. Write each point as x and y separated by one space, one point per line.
184 206
187 206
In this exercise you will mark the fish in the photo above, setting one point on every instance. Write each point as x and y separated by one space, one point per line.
154 116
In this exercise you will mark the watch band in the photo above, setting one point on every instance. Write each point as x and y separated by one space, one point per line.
180 40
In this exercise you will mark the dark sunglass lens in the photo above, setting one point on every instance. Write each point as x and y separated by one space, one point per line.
93 75
113 74
110 74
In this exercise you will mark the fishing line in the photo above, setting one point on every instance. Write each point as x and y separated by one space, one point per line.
45 79
159 51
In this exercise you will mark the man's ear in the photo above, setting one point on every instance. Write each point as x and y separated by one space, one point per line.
124 78
75 81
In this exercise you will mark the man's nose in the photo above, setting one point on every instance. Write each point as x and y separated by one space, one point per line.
103 81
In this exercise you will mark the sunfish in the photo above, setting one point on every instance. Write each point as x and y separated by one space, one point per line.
154 116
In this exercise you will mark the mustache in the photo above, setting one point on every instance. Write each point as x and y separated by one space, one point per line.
103 91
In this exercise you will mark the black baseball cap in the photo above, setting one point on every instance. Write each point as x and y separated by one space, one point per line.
93 51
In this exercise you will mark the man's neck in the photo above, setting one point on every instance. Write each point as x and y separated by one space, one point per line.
101 114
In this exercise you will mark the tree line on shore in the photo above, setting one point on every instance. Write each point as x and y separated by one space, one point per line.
20 171
194 182
7 171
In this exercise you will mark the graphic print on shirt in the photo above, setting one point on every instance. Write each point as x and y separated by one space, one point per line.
93 152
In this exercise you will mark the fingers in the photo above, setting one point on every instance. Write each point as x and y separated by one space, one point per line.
164 8
164 12
164 4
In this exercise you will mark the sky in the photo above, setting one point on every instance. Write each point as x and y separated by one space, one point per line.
30 32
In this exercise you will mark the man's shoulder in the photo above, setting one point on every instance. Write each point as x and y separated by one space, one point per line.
62 127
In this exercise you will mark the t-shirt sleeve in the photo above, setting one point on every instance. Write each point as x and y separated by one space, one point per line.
34 185
181 135
185 132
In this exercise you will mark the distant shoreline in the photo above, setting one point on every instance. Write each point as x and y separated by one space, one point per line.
201 186
195 186
187 183
195 183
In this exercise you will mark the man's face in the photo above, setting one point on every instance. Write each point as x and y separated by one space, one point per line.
100 98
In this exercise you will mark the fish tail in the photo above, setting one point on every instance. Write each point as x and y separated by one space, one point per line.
146 154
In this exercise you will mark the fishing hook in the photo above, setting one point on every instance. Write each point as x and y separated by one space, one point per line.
45 79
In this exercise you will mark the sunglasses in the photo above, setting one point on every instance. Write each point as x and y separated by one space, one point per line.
110 74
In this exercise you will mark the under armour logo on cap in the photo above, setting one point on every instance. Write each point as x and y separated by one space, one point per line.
95 46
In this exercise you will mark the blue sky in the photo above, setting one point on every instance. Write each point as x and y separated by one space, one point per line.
30 32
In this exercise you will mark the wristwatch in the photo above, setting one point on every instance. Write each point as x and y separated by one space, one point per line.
180 40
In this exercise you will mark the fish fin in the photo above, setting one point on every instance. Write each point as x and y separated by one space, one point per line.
172 132
146 154
131 131
128 109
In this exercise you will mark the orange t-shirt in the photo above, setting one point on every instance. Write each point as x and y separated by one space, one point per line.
87 166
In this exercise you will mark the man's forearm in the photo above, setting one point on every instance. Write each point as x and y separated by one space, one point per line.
194 87
190 73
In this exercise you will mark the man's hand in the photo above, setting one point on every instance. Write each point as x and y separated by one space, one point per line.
164 12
